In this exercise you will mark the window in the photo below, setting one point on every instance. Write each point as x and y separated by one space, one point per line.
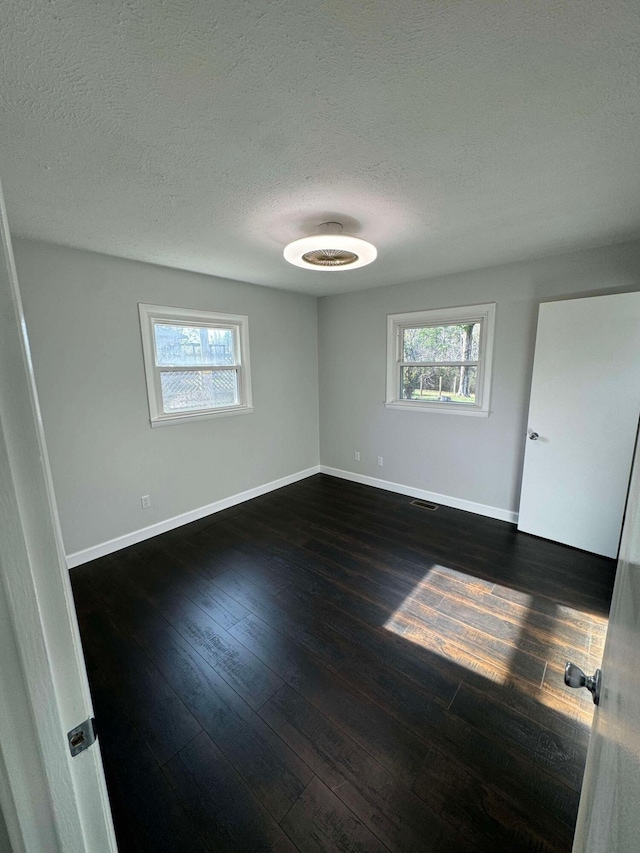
196 363
440 361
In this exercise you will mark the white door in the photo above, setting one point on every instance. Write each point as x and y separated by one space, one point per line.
583 418
51 802
609 815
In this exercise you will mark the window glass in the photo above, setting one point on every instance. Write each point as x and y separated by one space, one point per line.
182 346
460 342
439 384
198 389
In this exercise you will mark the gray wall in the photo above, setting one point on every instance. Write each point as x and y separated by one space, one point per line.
5 844
81 311
82 318
475 459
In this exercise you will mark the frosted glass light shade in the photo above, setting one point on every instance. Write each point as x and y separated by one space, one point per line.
330 252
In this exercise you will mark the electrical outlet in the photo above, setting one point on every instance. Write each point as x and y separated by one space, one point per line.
380 461
356 455
145 500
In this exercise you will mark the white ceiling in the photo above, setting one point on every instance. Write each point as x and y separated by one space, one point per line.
206 135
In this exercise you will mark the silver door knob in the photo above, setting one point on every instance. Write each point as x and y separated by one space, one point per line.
534 436
575 677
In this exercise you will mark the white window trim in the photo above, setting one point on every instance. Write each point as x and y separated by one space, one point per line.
154 313
484 314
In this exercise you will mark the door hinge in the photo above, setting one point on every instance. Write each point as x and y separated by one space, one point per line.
82 737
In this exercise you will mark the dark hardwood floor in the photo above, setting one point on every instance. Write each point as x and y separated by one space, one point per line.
329 668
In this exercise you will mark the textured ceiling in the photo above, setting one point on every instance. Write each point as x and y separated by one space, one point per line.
206 135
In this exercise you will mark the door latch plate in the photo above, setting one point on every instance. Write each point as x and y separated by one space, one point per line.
82 737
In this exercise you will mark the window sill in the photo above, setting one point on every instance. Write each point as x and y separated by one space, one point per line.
439 409
199 416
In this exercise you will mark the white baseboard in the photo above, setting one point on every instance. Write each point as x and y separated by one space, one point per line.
104 548
88 554
445 500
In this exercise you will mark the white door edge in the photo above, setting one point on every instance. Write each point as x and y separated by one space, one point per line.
51 801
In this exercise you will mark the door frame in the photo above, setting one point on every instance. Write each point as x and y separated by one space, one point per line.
50 801
608 815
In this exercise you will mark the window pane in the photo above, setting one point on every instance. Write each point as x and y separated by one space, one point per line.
460 342
439 384
182 346
198 389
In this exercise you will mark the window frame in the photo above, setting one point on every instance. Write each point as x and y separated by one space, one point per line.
167 315
483 314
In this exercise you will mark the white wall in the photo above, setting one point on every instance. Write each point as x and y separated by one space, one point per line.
82 319
473 459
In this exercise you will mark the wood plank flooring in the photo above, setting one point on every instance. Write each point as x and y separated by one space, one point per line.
329 668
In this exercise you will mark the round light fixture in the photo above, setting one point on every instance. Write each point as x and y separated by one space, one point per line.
330 251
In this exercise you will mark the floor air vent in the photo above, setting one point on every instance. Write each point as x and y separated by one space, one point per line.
424 504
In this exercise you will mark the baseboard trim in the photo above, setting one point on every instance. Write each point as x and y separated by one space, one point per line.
109 547
445 500
104 548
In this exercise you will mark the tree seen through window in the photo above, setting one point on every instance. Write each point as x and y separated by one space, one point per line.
439 363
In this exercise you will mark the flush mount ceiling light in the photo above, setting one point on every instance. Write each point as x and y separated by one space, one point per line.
330 250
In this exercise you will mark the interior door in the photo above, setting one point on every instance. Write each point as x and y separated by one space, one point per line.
609 817
583 417
51 802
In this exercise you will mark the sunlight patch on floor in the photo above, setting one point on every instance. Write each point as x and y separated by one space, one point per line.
496 632
419 620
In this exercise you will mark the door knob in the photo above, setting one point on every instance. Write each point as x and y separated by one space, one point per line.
533 436
575 677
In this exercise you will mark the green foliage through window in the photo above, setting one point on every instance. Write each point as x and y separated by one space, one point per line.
439 363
